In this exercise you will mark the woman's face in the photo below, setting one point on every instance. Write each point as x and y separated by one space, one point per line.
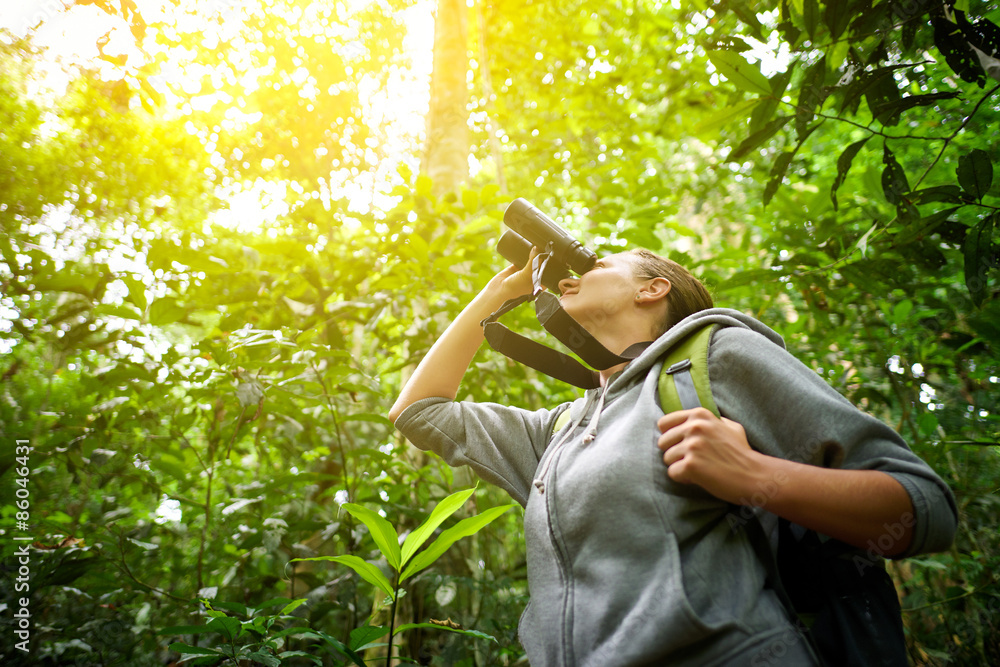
598 295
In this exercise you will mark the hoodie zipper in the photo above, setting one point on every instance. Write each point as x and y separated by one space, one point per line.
562 557
539 481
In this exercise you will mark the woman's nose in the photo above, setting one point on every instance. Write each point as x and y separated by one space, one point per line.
566 283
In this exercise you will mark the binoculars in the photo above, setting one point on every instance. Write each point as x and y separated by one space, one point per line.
530 227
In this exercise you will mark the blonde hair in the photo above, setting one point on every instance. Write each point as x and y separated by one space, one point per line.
687 295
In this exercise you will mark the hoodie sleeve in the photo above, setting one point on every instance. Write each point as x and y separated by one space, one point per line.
788 411
501 444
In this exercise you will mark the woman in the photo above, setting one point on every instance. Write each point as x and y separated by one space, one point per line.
631 559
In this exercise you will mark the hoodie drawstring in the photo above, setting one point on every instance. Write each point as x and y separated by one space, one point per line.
592 430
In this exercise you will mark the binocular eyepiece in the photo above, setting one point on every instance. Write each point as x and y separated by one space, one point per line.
530 227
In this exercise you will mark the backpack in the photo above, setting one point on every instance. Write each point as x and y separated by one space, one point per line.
843 603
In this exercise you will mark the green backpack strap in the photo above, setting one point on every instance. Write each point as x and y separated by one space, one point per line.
561 421
684 380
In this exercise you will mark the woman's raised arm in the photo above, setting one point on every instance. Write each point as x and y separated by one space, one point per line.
441 371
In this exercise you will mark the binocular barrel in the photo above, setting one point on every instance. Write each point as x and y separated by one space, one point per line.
530 227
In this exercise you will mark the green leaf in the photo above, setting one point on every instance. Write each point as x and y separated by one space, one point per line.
887 110
463 528
923 227
757 138
470 200
978 251
300 654
440 626
264 658
836 16
382 532
810 17
165 311
902 311
366 634
975 173
950 194
894 183
764 111
844 165
291 606
812 95
740 72
136 291
341 647
368 572
233 607
444 509
778 170
226 626
715 122
750 276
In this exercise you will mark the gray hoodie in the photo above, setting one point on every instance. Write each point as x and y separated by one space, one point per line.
626 566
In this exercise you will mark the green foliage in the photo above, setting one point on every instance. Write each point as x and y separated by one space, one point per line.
402 567
217 267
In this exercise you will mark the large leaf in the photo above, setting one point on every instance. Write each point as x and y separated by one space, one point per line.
894 183
975 173
227 626
757 138
812 94
888 110
979 257
764 112
844 165
713 123
442 511
777 175
463 528
959 55
365 635
382 532
339 646
264 659
923 227
740 72
165 311
368 572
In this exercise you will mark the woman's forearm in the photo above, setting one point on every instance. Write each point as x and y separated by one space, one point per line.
867 509
440 372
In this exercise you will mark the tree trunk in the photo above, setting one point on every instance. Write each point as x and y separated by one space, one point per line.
446 145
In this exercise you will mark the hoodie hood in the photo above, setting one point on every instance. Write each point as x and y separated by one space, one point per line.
726 317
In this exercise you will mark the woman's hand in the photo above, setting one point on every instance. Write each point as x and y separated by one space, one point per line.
700 448
513 282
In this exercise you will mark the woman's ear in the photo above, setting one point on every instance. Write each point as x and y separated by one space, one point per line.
656 289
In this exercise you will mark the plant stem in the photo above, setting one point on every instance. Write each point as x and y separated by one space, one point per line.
392 620
336 427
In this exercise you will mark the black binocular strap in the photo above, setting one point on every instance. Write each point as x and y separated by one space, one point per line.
571 333
535 355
